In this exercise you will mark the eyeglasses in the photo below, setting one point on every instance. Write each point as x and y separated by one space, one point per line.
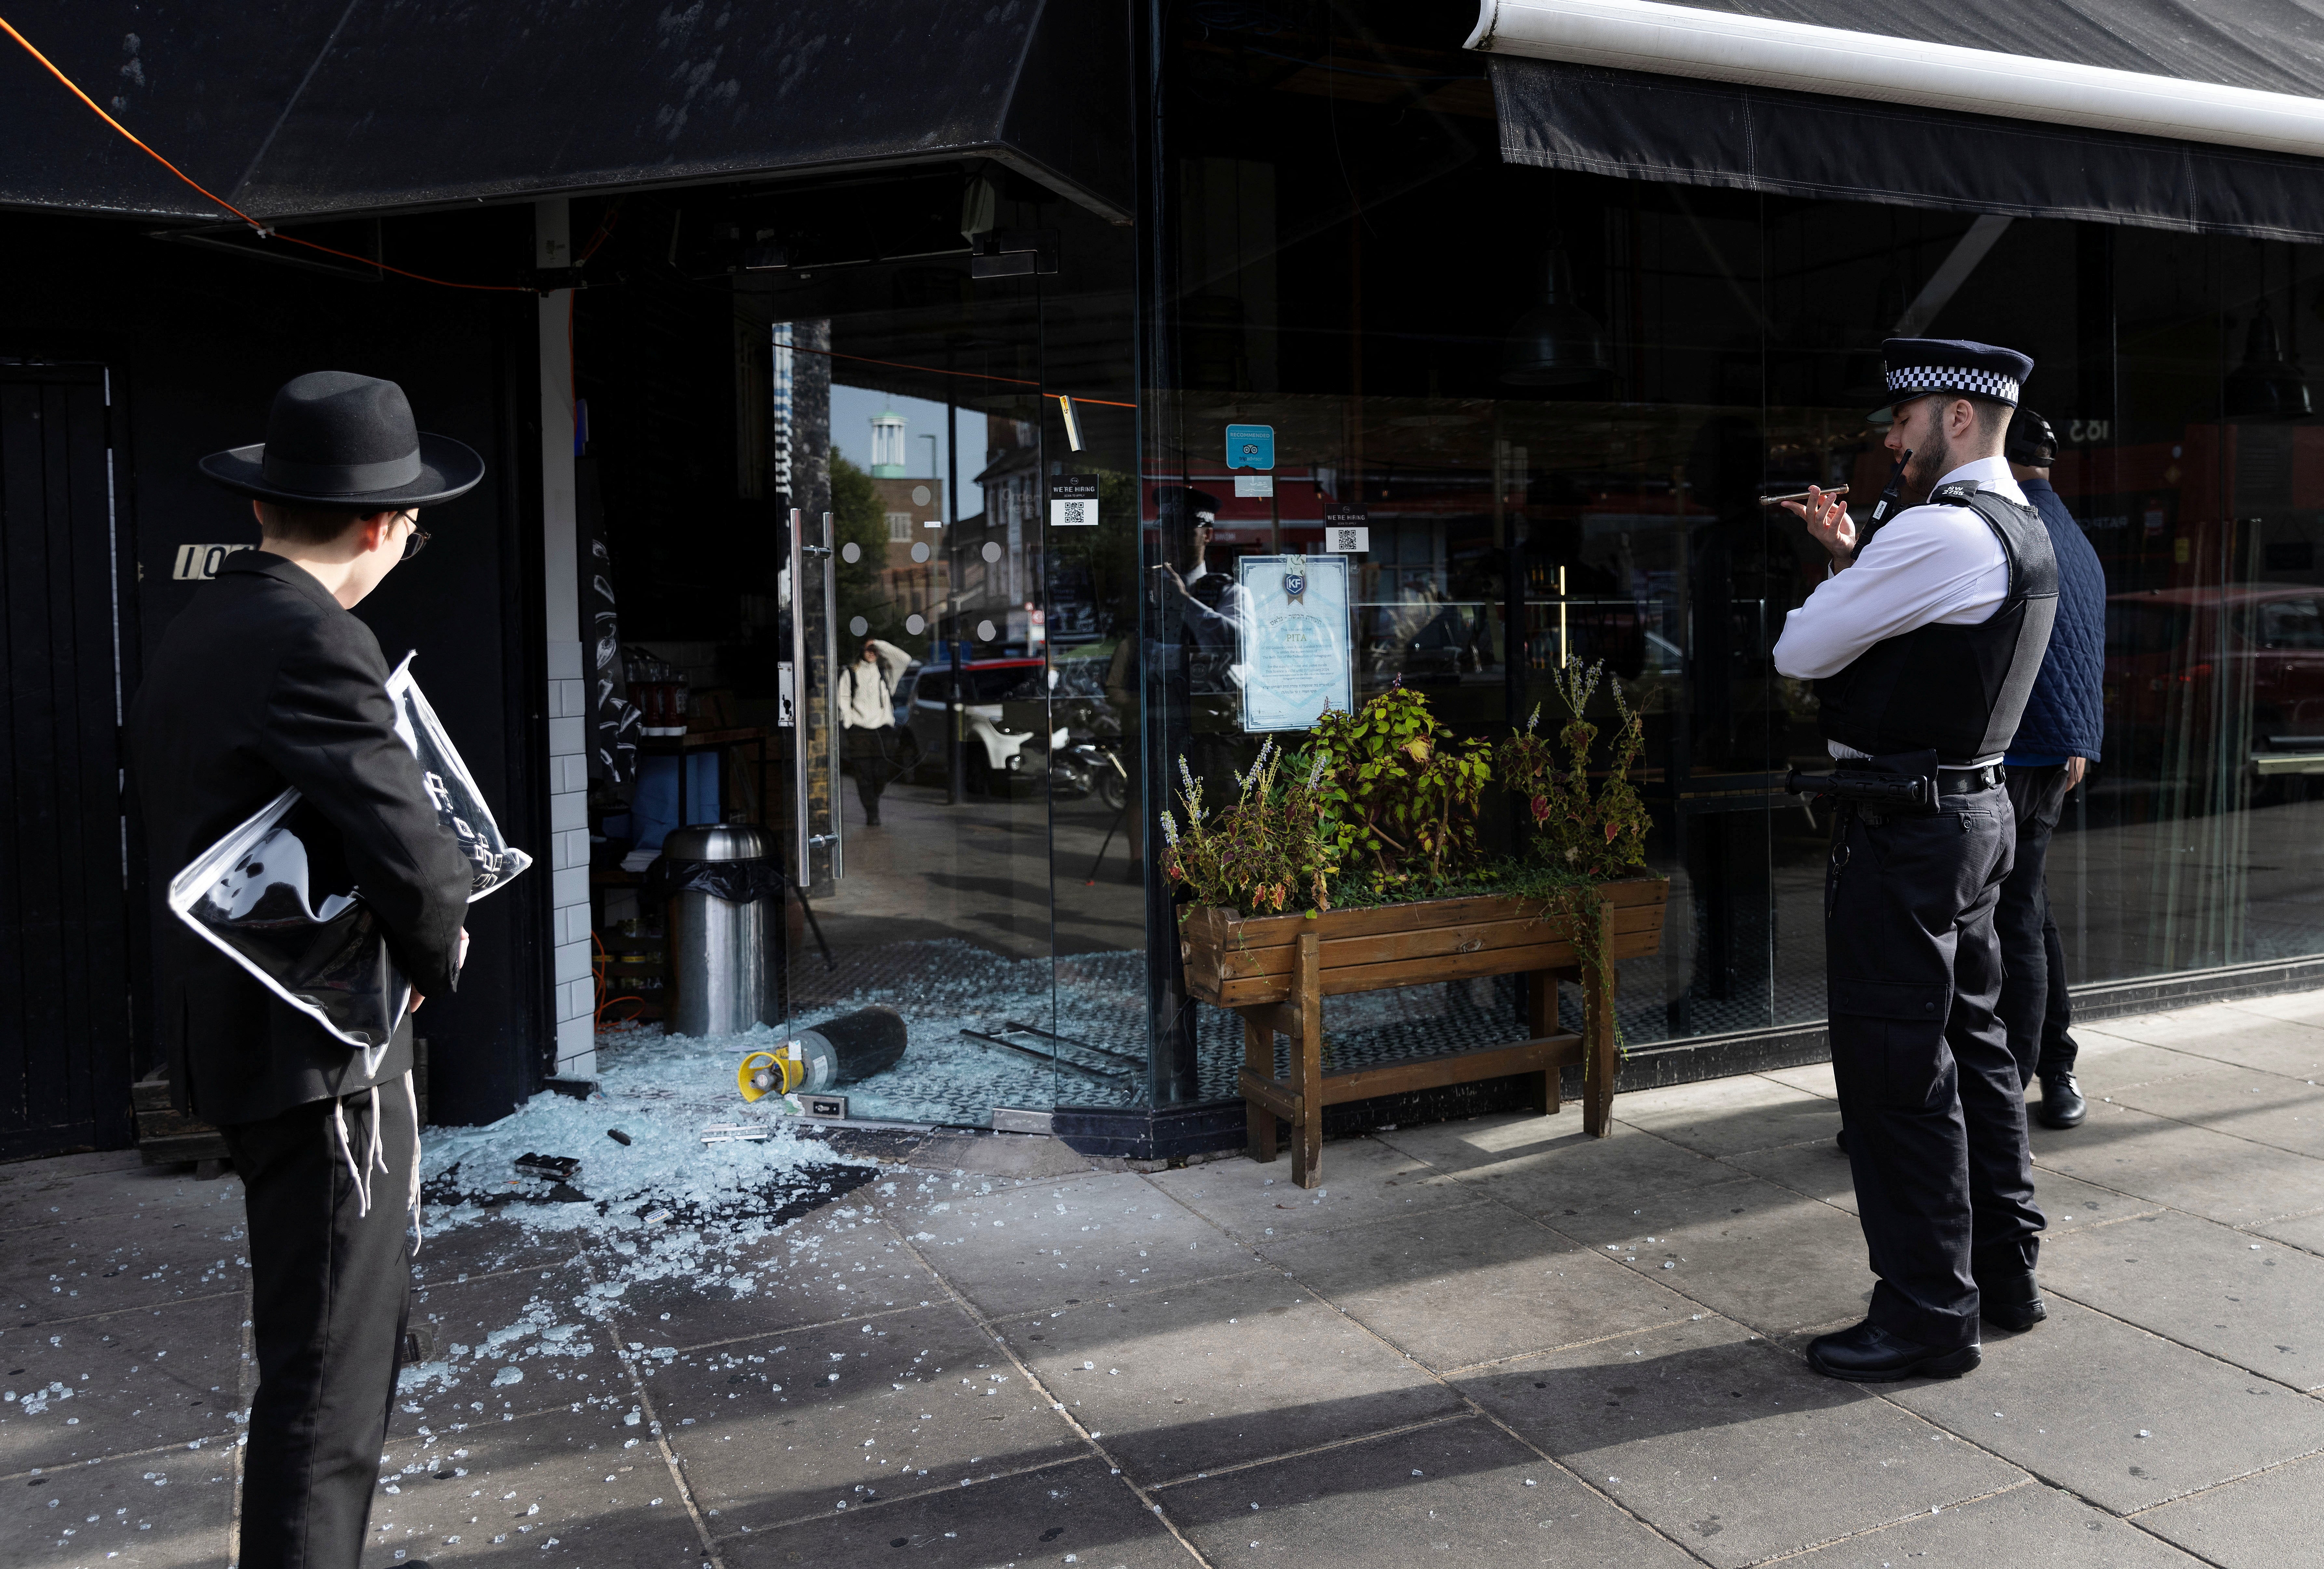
415 541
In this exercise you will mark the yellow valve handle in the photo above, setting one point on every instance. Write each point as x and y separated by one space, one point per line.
765 1073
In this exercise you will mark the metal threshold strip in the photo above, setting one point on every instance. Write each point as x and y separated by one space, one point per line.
1685 41
1048 1047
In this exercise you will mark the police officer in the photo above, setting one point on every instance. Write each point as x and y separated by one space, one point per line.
1924 642
2056 741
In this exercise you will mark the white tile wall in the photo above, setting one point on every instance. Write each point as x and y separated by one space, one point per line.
569 821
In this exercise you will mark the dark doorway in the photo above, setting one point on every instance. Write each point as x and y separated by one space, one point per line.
64 899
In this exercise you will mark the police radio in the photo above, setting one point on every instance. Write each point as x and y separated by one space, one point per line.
1892 493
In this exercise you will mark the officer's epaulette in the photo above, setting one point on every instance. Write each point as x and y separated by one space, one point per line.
1956 494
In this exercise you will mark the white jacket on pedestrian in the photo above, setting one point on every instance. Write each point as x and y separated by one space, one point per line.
867 693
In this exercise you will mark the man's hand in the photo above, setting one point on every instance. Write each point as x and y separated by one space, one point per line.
1829 524
2075 768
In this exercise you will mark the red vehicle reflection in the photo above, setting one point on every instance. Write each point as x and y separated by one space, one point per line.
2179 661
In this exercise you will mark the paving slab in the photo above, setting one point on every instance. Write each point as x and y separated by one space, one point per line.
492 1245
1370 1182
581 1499
1821 1171
2202 1284
800 1275
922 1400
508 1345
150 1511
2069 1400
1760 1253
1562 1175
2234 1034
74 1270
1029 1156
1463 1488
2106 1062
2295 1007
1729 1445
1727 1117
2030 1527
2305 1231
166 1375
1815 1077
1040 1246
2267 1521
1454 1288
1072 1513
1225 1372
2214 1175
31 1193
2242 1102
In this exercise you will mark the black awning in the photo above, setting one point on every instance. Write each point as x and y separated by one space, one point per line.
2206 118
1702 132
323 109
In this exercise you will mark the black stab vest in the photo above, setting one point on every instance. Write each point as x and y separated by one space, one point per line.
1958 691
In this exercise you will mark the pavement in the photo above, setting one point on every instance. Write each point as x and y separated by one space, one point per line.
1494 1340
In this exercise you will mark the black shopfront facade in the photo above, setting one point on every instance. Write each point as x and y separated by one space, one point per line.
1553 325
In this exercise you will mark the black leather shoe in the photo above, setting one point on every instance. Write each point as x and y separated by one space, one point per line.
1869 1354
1840 1138
2021 1315
2062 1105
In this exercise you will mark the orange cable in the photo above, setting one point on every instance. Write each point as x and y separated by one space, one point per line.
605 229
264 232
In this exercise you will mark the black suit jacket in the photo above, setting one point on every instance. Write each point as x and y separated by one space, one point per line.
265 681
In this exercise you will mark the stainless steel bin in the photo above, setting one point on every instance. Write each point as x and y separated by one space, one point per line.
722 959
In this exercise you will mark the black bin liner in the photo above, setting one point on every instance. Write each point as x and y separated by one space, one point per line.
736 882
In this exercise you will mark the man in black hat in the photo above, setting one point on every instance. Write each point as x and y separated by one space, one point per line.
1923 643
265 681
2058 739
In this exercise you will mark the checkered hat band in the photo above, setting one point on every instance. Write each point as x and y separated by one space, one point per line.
1953 378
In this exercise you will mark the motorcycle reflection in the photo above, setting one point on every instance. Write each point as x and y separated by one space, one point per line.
1090 767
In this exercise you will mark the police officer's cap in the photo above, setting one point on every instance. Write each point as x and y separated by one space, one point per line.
2031 441
1919 366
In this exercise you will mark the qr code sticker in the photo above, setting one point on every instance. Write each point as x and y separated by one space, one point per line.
1073 514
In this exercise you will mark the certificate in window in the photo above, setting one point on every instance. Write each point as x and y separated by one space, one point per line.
1295 659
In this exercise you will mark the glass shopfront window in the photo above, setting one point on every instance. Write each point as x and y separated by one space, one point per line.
1556 402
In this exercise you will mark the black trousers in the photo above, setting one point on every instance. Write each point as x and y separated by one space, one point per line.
330 1290
1935 1113
872 753
2034 1006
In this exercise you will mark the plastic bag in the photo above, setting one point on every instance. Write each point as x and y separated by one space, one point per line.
276 896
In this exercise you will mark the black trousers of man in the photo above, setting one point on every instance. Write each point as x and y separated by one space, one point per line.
2034 1006
330 1288
872 754
1935 1113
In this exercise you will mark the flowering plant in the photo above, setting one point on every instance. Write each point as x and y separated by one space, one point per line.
1399 801
1599 833
1262 852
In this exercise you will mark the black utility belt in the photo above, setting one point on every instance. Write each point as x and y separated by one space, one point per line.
1902 795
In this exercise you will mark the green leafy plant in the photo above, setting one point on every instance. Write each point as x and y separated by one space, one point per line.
1597 831
1397 799
1262 852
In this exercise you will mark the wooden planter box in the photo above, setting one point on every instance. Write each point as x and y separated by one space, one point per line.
1275 970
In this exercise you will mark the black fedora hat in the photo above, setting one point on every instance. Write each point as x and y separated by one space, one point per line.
342 441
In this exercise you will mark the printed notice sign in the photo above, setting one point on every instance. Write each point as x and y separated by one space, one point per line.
1344 530
1254 484
1293 647
1073 502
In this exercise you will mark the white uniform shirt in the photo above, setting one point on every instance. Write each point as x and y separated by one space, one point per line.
1926 566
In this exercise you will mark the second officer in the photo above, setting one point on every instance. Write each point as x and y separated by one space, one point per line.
1923 643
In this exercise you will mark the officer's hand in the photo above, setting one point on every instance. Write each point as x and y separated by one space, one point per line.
2075 768
1829 524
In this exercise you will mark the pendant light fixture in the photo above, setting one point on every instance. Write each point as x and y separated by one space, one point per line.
1556 343
2268 384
